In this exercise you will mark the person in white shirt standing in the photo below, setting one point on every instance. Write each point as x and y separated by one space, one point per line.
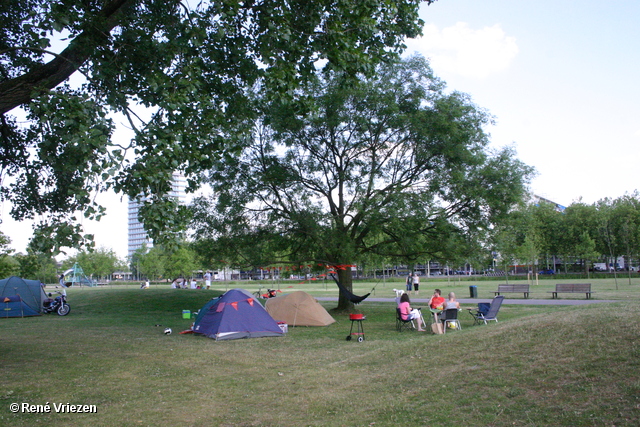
207 280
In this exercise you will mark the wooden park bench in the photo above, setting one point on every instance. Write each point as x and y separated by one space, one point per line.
503 289
572 288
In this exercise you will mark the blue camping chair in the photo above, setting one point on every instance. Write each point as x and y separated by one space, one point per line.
486 312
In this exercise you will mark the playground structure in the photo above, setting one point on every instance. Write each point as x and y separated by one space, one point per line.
76 276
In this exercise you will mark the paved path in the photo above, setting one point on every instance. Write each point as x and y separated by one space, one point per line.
473 301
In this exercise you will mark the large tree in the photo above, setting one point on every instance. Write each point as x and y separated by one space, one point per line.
38 266
177 72
152 263
619 228
580 235
393 165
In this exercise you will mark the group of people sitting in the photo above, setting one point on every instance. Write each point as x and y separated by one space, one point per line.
184 284
435 302
181 283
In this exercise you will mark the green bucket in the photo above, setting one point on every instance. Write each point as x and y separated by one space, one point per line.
186 314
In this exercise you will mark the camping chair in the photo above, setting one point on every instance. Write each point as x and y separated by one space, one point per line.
402 324
451 318
491 314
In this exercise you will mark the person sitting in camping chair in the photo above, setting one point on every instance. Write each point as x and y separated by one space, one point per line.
450 304
407 313
436 301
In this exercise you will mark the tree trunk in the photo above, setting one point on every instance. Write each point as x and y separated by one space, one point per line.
345 278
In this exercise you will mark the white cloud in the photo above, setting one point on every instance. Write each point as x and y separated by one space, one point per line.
464 51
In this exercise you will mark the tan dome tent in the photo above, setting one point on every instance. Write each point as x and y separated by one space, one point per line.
298 309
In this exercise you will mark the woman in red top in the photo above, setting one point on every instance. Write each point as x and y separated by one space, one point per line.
436 300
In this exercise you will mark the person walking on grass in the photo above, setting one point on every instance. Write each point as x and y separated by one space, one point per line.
416 283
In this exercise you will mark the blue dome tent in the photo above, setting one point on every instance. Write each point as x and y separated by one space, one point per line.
21 297
236 314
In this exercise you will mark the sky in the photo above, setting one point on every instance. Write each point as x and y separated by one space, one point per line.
559 77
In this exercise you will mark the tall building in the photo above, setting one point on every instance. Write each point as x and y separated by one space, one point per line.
539 199
137 235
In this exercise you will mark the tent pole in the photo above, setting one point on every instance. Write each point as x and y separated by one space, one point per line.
15 290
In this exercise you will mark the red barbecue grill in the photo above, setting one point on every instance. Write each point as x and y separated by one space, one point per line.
356 319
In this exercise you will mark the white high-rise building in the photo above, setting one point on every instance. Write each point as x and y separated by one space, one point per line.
137 235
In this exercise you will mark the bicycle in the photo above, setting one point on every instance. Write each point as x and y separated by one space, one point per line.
271 293
258 293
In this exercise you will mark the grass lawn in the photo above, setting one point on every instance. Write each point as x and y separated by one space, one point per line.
621 289
539 366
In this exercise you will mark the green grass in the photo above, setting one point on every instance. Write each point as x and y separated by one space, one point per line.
603 288
607 288
539 366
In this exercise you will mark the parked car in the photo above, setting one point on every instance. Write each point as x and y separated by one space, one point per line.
549 271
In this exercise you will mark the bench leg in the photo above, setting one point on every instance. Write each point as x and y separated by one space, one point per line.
554 295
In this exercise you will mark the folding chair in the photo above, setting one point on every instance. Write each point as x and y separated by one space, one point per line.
491 314
402 324
451 318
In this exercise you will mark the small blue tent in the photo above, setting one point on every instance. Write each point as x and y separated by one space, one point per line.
21 297
236 314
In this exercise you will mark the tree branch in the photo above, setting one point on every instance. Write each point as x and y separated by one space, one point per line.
21 90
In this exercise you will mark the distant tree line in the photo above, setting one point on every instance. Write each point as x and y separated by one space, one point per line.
98 264
537 235
543 237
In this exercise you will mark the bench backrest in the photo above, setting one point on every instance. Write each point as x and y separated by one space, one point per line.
573 287
513 288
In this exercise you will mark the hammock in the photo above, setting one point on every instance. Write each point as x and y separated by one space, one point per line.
348 294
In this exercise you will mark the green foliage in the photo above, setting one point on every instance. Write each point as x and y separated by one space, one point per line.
620 225
180 263
35 266
178 73
5 241
169 263
604 230
9 266
391 166
99 263
152 264
38 266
